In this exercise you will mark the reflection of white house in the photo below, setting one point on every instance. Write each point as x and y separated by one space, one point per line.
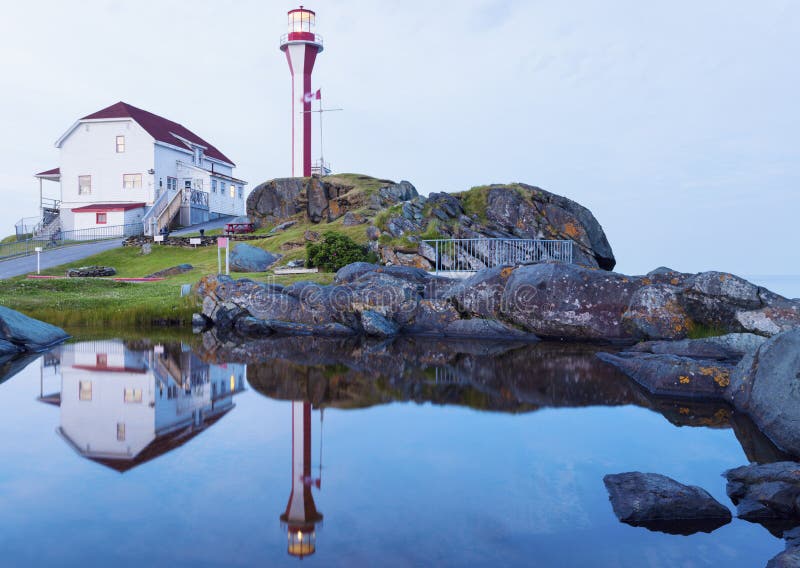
124 165
123 407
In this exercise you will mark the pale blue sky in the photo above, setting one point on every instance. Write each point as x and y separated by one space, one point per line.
676 123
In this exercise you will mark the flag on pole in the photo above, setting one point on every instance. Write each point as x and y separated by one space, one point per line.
309 97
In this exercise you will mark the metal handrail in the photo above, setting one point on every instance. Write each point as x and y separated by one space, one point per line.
285 39
65 238
470 255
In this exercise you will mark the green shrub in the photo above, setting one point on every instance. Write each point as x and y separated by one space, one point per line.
336 250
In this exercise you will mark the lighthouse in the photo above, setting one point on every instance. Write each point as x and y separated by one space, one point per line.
301 516
301 46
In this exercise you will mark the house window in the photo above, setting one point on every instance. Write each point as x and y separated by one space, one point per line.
85 390
102 218
213 186
133 395
132 181
84 185
233 191
172 184
120 144
241 192
120 431
187 184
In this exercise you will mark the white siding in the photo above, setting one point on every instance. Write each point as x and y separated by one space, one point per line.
91 150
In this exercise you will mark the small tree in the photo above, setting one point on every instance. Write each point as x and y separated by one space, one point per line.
336 250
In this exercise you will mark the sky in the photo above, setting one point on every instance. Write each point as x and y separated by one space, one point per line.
676 123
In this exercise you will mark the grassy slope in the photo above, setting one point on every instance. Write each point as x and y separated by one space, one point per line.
74 304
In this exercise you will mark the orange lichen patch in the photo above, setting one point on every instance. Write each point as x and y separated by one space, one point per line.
674 281
506 272
684 411
572 230
684 380
722 380
335 209
646 281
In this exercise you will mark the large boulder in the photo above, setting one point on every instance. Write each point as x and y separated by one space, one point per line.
563 300
659 503
19 332
531 212
766 385
320 200
768 494
247 258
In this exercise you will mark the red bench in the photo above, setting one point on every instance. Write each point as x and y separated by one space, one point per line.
238 228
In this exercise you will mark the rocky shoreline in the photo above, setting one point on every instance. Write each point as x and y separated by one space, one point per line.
547 300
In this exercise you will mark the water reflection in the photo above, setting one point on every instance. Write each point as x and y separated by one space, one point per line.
123 404
301 516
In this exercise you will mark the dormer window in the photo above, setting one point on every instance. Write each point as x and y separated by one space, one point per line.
120 144
198 156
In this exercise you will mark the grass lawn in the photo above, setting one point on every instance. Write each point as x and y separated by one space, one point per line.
80 305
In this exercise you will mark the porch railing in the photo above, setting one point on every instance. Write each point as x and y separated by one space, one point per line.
470 255
59 239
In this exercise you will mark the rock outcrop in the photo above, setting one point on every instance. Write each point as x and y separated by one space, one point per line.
768 494
552 300
766 385
319 200
662 504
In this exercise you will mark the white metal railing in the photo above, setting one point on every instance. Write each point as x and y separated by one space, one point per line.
285 39
321 168
470 255
63 238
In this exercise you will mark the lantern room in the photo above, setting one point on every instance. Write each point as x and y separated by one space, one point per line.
302 23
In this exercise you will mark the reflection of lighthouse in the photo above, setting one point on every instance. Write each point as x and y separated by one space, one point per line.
301 516
301 46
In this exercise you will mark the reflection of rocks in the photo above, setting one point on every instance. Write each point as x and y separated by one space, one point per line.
509 377
659 503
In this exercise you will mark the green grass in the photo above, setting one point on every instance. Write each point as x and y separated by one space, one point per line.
14 238
474 201
96 303
700 331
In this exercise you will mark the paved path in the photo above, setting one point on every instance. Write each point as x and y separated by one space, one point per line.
27 264
210 226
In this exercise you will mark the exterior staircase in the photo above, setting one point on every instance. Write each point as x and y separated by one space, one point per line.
163 212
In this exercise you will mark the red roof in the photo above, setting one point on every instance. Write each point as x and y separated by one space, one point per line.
159 128
104 207
53 172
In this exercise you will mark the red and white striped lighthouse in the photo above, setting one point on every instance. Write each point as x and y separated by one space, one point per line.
301 46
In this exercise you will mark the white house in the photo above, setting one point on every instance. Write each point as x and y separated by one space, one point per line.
123 166
122 407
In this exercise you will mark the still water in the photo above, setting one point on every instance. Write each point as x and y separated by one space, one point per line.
345 453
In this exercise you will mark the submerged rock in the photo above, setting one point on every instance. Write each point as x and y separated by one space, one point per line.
659 503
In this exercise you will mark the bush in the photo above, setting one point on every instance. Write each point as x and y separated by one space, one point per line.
336 250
